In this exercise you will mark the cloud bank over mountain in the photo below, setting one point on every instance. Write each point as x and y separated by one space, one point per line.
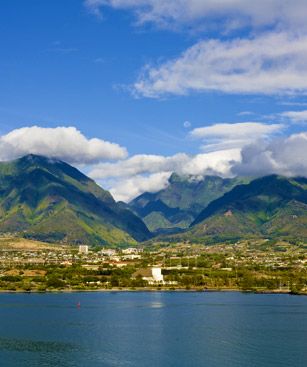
133 176
248 149
286 156
245 149
65 143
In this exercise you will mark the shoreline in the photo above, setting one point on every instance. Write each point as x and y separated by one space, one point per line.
153 290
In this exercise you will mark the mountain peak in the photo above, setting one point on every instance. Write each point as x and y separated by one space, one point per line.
176 178
36 158
66 205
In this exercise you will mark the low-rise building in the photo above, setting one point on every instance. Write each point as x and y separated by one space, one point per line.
108 252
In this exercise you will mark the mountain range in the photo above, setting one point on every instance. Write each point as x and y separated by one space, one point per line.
49 200
179 204
267 207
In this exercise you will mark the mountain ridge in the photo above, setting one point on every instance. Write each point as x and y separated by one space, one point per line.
177 206
271 206
39 194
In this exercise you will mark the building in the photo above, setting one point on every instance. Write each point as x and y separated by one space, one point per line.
108 252
83 249
131 250
131 257
151 275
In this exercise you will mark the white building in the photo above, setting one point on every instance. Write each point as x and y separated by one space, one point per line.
108 252
131 250
151 275
157 274
83 249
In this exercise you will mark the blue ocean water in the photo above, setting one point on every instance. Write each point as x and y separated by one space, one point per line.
153 329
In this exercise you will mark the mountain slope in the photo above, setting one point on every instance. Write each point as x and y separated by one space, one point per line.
270 206
177 206
50 200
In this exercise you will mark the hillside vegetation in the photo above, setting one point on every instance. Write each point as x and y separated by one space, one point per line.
268 207
51 201
178 205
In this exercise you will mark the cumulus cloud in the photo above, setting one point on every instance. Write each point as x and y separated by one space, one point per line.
200 164
128 178
285 156
295 116
214 163
235 135
131 187
139 164
65 143
235 13
131 177
267 64
222 144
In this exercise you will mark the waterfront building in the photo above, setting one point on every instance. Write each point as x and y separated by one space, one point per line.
152 275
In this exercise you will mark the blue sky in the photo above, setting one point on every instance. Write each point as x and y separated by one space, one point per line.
182 86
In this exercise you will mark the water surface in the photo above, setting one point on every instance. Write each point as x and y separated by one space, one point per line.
153 329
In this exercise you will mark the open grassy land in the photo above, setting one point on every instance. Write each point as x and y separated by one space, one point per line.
23 244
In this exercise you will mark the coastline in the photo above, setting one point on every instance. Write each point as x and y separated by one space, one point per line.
154 290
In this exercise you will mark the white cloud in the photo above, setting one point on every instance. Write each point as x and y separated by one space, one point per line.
269 63
246 113
214 163
285 156
200 164
139 164
295 116
234 13
129 178
129 188
235 130
65 143
187 124
222 143
235 135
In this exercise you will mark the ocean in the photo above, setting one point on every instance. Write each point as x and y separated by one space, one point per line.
153 329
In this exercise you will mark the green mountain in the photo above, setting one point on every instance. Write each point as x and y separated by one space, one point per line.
177 206
49 200
268 207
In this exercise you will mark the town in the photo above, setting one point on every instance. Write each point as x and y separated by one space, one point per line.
258 266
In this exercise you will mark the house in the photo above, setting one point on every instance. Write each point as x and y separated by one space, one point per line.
152 275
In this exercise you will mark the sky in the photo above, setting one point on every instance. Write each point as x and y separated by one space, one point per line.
130 91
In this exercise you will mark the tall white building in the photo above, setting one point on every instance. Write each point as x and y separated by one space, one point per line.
151 275
157 274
